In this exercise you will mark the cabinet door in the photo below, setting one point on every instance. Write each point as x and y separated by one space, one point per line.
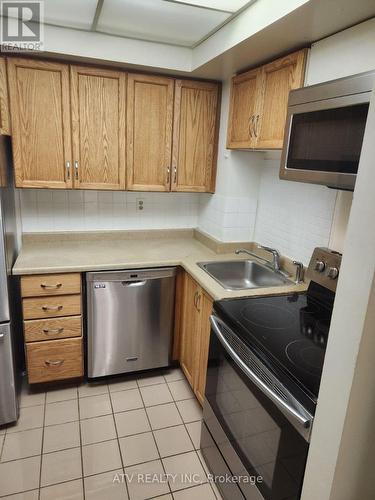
98 128
189 328
4 101
203 344
243 109
278 78
149 132
195 136
39 97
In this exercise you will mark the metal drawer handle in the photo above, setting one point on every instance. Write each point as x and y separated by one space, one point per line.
52 308
175 174
58 362
48 331
251 122
44 285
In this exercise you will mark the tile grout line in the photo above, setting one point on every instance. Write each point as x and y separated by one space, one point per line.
153 435
80 446
118 443
41 450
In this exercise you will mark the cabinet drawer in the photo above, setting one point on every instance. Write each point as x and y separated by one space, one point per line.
50 284
54 360
50 307
50 329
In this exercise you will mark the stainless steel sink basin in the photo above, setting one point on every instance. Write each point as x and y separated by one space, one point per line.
243 274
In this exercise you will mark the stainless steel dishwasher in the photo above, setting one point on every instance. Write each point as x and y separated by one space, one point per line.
129 320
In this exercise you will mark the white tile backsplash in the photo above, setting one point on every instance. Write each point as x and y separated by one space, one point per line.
45 211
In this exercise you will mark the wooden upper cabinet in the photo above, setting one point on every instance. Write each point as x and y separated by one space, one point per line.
196 110
258 103
40 116
278 78
98 128
243 108
149 132
4 100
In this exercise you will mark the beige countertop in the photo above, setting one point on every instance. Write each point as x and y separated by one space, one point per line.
62 253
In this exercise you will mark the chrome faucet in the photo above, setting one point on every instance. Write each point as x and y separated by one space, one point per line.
274 265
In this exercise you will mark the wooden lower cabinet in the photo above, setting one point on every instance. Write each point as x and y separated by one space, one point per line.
52 327
194 331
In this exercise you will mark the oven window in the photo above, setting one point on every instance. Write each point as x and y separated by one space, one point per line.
265 441
328 140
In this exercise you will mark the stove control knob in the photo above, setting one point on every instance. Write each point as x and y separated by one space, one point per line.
319 266
333 272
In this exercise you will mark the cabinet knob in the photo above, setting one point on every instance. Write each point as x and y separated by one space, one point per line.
67 166
76 170
333 273
319 266
168 175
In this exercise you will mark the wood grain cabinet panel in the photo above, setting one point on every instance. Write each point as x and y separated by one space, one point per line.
36 330
278 79
4 99
40 116
149 132
258 102
196 111
195 310
54 360
98 128
243 110
50 307
50 284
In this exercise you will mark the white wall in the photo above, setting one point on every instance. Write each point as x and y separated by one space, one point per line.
46 210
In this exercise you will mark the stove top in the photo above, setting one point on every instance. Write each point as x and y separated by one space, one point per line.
288 332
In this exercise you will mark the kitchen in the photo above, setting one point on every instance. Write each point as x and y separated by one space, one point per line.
160 235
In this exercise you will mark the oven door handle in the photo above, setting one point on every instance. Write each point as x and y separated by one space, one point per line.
299 417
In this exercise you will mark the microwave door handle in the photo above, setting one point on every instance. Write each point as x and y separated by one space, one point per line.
287 408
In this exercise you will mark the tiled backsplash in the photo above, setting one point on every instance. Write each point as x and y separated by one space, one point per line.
47 210
293 217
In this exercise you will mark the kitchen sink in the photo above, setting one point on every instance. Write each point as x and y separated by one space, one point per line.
243 274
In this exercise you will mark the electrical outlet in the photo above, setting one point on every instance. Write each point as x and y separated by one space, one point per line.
140 204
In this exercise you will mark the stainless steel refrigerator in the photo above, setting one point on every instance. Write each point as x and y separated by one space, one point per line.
11 355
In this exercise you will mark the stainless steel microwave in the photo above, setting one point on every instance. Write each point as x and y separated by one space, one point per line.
324 131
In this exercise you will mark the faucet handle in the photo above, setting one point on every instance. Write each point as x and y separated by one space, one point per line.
299 271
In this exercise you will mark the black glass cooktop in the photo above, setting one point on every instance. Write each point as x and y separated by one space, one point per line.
289 332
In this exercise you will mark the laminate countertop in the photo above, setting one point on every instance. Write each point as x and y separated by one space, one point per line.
64 253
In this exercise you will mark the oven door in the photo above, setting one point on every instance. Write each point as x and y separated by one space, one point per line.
258 426
323 141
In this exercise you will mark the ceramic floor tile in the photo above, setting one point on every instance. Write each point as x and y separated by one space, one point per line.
173 440
2 431
180 390
194 430
30 418
202 491
92 389
95 406
186 470
72 490
101 457
156 394
19 475
56 395
146 380
108 485
61 466
26 495
62 412
126 400
163 416
22 444
61 436
190 410
98 429
141 490
174 374
31 398
131 422
138 448
116 385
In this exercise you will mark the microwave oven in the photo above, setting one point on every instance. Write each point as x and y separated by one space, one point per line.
324 131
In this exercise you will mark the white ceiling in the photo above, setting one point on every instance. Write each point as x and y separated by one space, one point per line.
177 22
